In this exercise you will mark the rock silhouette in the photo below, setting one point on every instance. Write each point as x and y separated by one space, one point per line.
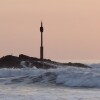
10 61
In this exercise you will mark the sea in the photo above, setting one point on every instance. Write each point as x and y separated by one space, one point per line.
62 83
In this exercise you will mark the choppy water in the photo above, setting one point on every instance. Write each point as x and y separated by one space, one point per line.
46 92
68 83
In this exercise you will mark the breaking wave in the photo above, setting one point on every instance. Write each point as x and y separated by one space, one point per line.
69 76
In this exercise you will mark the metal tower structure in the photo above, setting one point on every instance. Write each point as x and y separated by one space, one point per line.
41 47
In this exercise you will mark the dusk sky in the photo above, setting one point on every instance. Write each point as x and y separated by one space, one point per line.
71 28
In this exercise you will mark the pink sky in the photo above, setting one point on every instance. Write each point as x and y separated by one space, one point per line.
72 28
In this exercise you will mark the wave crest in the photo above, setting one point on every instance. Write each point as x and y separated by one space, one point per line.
70 76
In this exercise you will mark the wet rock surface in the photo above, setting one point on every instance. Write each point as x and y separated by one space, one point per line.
21 61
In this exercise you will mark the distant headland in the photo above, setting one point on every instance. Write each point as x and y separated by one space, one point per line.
10 61
21 61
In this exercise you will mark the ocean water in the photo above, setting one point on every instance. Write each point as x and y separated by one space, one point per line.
69 83
84 61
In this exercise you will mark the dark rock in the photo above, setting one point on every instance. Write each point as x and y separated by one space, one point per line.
10 61
76 65
27 58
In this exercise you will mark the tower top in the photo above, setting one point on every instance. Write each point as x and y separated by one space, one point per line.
41 28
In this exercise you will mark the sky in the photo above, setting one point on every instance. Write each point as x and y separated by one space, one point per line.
71 28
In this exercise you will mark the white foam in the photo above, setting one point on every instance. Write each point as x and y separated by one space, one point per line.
70 76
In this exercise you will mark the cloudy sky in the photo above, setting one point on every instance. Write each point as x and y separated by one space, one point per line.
72 28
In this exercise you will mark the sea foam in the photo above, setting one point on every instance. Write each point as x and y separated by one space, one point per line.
69 76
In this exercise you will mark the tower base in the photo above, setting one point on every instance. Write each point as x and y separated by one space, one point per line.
41 53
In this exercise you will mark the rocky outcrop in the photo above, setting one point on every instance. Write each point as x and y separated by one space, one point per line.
10 61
